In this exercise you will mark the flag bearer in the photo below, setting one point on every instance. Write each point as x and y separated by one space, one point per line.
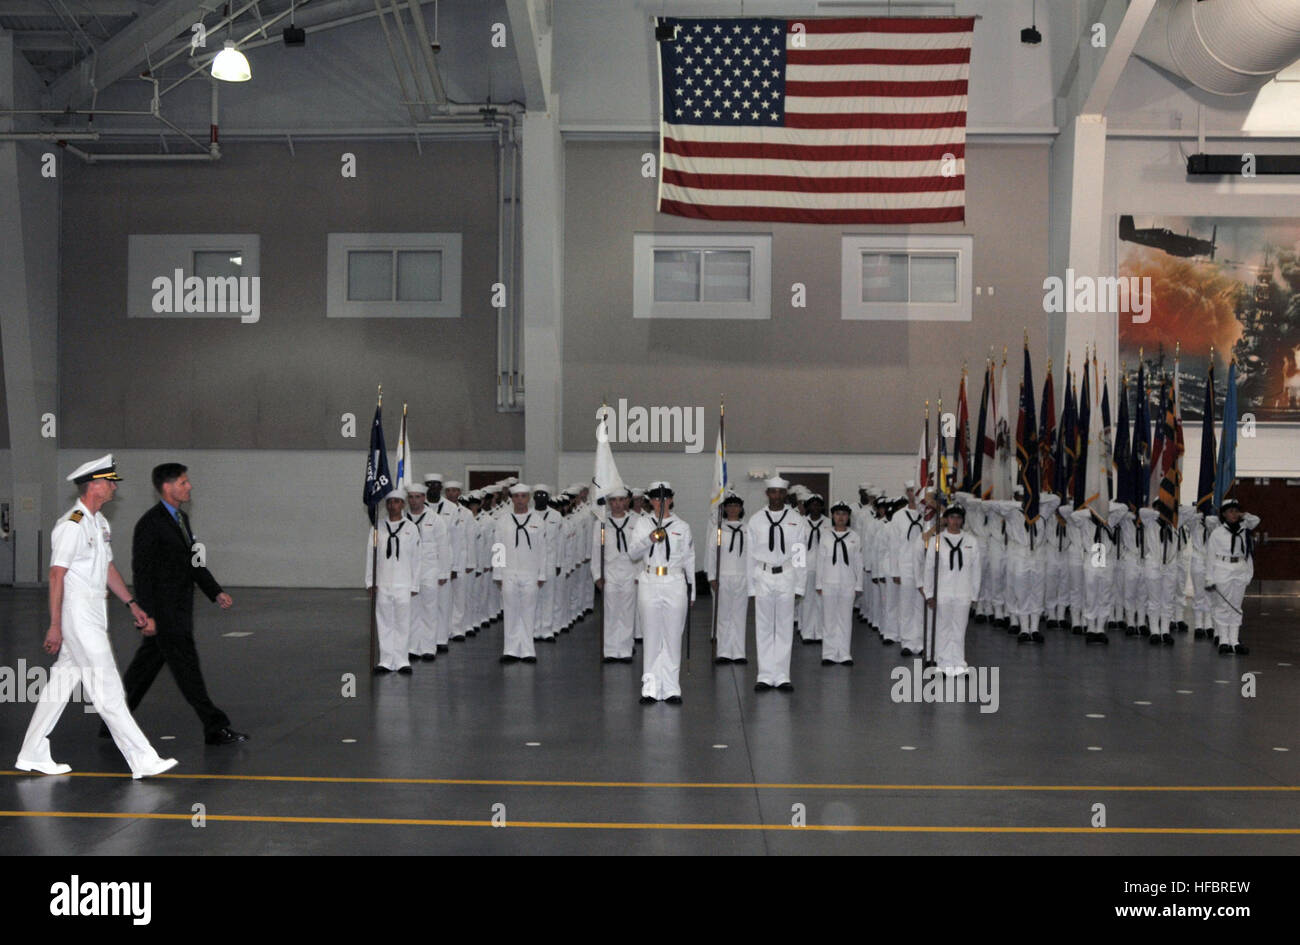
952 558
435 567
397 581
617 581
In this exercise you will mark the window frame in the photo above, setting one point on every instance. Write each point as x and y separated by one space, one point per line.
150 255
757 307
852 249
339 245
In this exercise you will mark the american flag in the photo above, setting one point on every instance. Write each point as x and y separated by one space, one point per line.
815 120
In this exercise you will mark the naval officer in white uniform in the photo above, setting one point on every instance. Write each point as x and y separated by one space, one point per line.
662 543
81 571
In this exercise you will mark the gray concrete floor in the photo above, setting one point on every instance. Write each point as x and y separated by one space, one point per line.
323 769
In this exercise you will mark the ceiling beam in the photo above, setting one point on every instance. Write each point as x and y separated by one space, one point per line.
127 49
1117 56
532 41
44 41
81 9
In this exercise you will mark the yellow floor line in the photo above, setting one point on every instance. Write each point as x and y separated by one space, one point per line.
712 785
597 825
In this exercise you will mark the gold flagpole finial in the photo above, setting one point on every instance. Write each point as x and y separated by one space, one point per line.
1026 337
381 395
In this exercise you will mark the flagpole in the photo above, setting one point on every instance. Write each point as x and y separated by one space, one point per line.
717 552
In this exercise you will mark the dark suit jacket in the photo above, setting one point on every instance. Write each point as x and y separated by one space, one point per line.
163 569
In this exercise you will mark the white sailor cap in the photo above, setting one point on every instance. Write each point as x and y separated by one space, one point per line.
416 488
433 477
474 496
618 492
815 495
776 482
510 480
660 489
865 487
102 468
453 484
637 491
519 489
397 492
910 484
542 488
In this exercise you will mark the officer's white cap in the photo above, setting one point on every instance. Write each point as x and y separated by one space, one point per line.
519 489
102 468
433 477
776 482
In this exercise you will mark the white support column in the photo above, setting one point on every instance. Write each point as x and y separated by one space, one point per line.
29 231
542 195
1087 226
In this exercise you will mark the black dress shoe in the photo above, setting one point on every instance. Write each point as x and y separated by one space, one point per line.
675 700
1200 632
929 664
548 639
980 618
1036 636
1145 630
459 637
428 657
826 662
381 670
225 736
718 661
1076 630
905 652
810 640
1130 631
742 660
508 659
846 662
1154 639
1024 637
786 687
1092 637
413 656
1224 649
528 659
1013 627
887 642
1167 639
405 671
1241 649
648 700
609 659
443 647
762 686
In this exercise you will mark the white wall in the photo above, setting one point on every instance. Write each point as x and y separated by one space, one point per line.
268 518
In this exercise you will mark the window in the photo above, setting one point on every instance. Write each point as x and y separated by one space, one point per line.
193 275
920 278
393 275
702 276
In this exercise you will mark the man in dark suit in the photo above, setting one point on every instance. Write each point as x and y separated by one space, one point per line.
166 561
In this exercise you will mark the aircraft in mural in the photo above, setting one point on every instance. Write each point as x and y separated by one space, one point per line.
1175 244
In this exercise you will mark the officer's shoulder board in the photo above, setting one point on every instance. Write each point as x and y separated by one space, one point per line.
76 515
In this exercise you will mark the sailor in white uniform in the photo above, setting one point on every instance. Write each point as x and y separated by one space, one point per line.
727 565
905 531
463 539
394 543
445 593
435 568
839 581
615 573
952 559
521 565
1229 567
81 574
662 543
815 528
777 575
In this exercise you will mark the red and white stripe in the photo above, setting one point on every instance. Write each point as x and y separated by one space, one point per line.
874 108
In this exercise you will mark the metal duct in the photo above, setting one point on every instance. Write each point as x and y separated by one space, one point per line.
1228 47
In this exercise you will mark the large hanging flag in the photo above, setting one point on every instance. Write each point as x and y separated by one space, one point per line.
605 478
982 479
1206 480
1141 442
1027 443
961 450
720 482
1047 432
404 463
1004 469
812 120
1226 473
1123 451
378 481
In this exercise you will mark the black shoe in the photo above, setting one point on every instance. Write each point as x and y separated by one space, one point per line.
1241 649
405 671
826 662
742 660
980 618
1200 632
548 639
1181 627
610 659
381 670
906 652
1167 639
508 659
786 687
413 656
1090 637
1110 624
1036 636
1154 639
846 662
929 664
1076 630
428 657
675 700
1024 637
1224 649
762 686
1145 630
528 659
225 736
1130 631
627 659
648 700
887 642
443 647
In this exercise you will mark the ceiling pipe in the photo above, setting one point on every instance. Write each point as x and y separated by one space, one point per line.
1228 47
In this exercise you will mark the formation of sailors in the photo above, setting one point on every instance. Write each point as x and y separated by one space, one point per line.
449 564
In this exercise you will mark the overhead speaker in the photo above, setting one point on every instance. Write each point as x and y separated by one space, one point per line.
295 36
